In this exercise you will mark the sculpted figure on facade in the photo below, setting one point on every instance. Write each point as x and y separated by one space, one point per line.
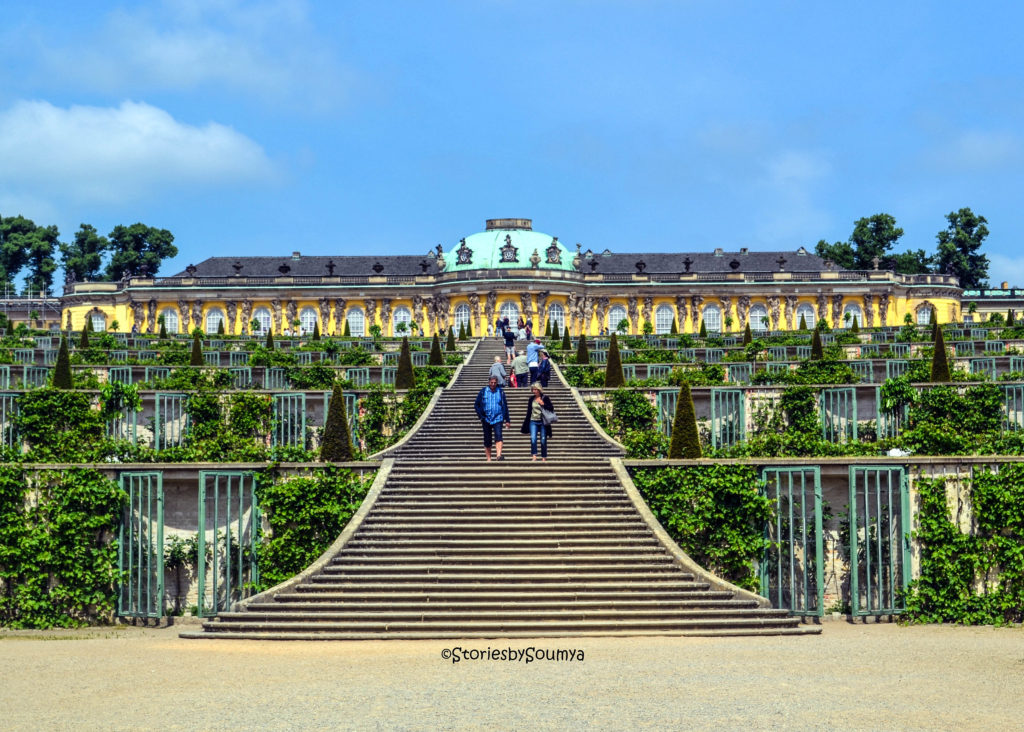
246 316
695 302
648 310
883 308
586 313
339 316
542 306
869 310
417 308
602 312
634 312
570 309
67 320
680 312
742 308
232 311
275 313
185 314
474 313
151 319
726 303
197 314
526 306
371 314
791 301
837 311
489 307
385 315
138 314
774 310
324 308
291 310
822 306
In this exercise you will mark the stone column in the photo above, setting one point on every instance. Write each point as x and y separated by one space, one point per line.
339 317
602 312
542 303
526 307
648 310
291 312
726 303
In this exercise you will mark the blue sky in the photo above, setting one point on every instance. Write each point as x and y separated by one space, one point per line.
641 125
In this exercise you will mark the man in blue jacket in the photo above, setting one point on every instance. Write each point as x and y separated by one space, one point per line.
544 369
492 410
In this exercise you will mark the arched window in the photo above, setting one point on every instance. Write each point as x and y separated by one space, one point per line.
214 319
308 318
758 318
511 311
170 316
461 317
262 318
855 313
556 314
663 317
616 314
712 319
99 322
806 312
924 315
401 315
356 323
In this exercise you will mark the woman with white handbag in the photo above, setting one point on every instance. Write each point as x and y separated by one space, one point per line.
540 415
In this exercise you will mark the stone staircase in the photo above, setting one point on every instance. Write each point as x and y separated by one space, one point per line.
455 547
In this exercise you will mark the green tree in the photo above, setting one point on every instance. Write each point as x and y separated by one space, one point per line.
436 358
405 378
136 247
547 330
582 352
83 342
462 332
220 327
336 446
450 343
817 353
84 255
803 322
613 377
347 331
196 358
703 332
940 360
959 246
23 243
566 343
269 345
872 237
62 369
685 444
163 327
747 335
556 334
912 261
316 331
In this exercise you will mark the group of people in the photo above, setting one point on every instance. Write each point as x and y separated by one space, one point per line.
491 405
523 330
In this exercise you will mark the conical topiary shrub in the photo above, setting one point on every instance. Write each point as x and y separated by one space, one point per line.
547 330
450 344
196 359
436 358
685 444
462 332
83 342
404 376
316 331
1010 319
469 330
582 352
703 332
613 378
556 335
566 343
803 322
220 327
940 361
270 339
347 332
817 353
163 329
855 326
674 330
336 446
747 335
62 369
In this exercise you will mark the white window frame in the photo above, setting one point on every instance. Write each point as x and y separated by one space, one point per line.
664 315
613 321
924 315
556 314
356 320
98 321
308 318
712 319
462 315
855 312
758 318
511 310
213 317
264 319
810 319
401 314
170 316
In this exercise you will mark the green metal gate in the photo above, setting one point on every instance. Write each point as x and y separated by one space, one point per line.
792 571
667 400
140 546
984 366
351 411
1013 403
228 512
839 414
8 414
879 539
728 421
169 420
289 412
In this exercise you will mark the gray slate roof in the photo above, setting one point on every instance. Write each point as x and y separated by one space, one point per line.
409 264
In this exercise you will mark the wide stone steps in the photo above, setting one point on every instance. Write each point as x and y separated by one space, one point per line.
456 547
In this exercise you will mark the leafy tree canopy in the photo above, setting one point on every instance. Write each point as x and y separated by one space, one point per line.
84 255
136 247
23 243
959 246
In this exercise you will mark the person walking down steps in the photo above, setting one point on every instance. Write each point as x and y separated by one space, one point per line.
537 422
492 410
520 370
498 372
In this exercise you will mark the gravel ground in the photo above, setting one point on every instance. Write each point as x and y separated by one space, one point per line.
849 677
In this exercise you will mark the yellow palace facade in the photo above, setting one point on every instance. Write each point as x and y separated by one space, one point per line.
511 270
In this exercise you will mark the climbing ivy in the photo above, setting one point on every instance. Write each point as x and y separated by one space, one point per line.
716 514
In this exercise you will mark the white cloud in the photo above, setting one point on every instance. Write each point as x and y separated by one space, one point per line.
109 154
266 49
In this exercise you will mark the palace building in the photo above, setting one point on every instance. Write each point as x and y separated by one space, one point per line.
511 270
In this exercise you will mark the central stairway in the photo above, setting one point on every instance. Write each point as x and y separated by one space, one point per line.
456 547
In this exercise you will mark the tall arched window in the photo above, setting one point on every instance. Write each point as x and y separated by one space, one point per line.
758 318
307 320
712 319
262 318
806 312
924 315
402 315
356 323
511 311
461 317
616 314
556 314
99 322
170 316
855 313
663 318
214 319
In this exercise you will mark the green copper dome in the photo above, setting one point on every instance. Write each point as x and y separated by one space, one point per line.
509 244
